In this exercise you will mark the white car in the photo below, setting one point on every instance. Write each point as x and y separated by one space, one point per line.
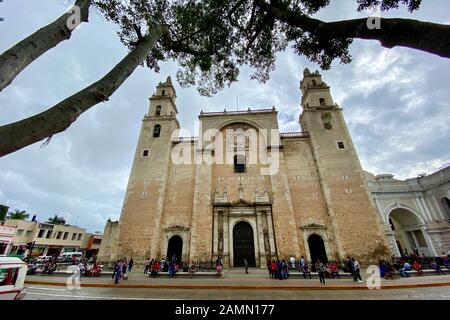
43 259
68 256
12 278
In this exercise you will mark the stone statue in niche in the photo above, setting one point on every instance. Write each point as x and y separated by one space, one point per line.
326 120
220 243
266 242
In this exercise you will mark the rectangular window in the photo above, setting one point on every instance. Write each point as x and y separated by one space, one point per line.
19 232
66 234
41 233
79 236
97 241
341 145
239 163
28 233
145 153
49 234
74 236
59 235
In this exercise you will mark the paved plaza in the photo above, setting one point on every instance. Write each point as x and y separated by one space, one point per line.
235 285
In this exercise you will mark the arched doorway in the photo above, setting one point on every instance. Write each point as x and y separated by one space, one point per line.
175 247
408 232
243 245
317 249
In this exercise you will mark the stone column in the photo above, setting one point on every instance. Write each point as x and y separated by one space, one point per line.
226 240
215 235
260 233
273 250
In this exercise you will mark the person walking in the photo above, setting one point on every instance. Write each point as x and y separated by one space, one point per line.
246 266
146 266
321 271
356 271
124 270
115 269
118 271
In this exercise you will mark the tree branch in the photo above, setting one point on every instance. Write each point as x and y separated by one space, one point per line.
424 36
20 134
17 58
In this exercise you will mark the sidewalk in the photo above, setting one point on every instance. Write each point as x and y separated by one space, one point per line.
251 281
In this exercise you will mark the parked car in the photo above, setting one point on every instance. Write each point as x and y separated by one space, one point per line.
43 259
12 277
69 257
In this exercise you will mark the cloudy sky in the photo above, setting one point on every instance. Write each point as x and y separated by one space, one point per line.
396 103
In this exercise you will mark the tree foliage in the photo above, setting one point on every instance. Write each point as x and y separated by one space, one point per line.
212 39
19 215
56 220
3 212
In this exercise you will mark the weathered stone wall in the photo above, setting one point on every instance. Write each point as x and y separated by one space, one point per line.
108 246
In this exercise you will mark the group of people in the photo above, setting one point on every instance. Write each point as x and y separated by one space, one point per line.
49 266
92 268
406 264
154 266
121 267
279 269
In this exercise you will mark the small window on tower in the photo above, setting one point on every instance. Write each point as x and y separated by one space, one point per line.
158 111
145 153
341 145
164 92
156 131
322 102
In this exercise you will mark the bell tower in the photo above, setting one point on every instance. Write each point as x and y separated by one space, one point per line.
143 207
354 220
316 93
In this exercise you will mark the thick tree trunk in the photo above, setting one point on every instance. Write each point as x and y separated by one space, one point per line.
20 134
424 36
17 58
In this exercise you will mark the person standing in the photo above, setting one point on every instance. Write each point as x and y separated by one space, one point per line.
279 270
246 266
302 264
130 265
350 267
269 267
321 271
146 266
172 269
292 262
124 270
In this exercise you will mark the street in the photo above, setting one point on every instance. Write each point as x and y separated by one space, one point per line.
37 292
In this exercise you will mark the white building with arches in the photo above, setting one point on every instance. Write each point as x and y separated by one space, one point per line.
415 212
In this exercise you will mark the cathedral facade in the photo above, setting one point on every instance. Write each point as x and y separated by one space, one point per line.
243 190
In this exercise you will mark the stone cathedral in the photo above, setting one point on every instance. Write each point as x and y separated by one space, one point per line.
243 190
